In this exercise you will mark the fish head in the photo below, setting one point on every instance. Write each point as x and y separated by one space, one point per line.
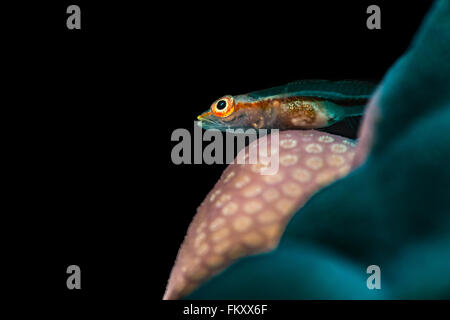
223 114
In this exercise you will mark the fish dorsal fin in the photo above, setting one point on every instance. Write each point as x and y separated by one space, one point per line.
324 89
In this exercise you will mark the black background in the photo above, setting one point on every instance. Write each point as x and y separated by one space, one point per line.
96 109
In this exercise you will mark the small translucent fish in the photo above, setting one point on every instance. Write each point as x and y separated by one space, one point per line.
303 104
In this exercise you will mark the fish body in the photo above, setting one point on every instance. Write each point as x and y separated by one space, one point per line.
304 104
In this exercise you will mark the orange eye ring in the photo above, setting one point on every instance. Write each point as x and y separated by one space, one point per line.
223 107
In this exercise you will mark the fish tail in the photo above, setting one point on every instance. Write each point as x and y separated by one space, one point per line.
352 111
339 112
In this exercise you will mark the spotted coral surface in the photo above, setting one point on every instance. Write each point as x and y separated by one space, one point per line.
246 212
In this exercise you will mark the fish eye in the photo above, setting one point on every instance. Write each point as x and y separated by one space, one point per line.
223 107
221 104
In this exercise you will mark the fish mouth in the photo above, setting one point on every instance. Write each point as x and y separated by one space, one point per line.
203 118
206 123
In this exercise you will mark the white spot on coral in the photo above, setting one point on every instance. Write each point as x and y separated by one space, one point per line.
301 175
220 234
292 189
313 148
201 227
348 142
288 160
335 160
252 190
274 178
267 216
241 181
224 198
270 194
214 195
242 223
202 249
338 148
252 206
256 168
285 206
199 239
314 163
229 209
288 143
325 139
222 246
229 176
216 224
